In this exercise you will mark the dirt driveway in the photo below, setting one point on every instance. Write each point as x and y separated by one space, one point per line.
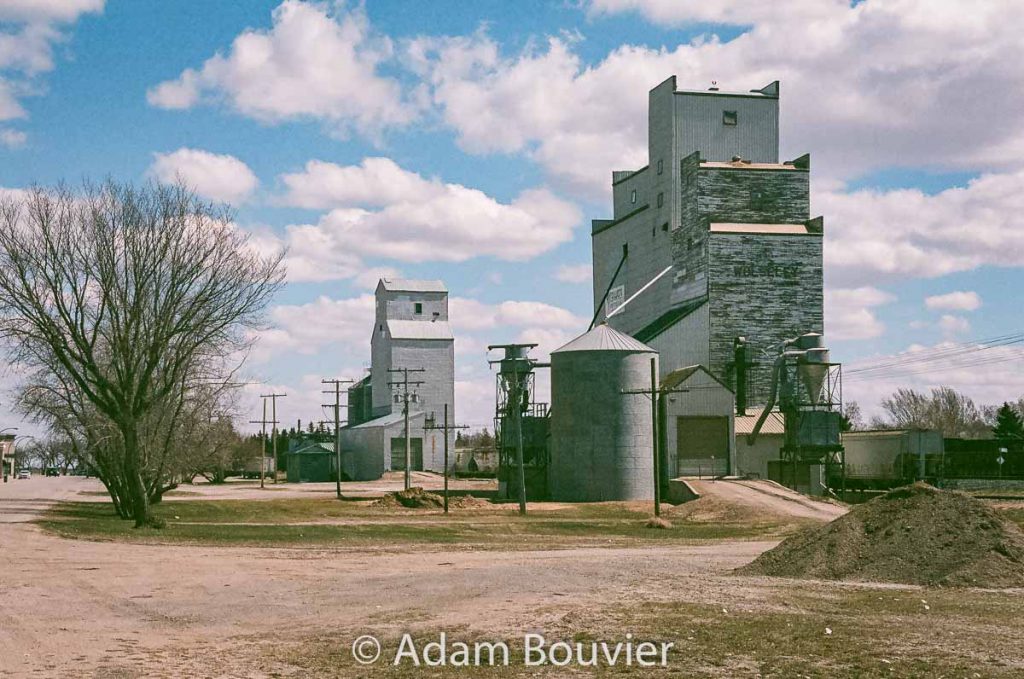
769 497
80 608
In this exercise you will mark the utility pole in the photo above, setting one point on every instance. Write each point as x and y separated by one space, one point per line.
655 393
263 441
517 399
337 428
405 384
273 417
431 424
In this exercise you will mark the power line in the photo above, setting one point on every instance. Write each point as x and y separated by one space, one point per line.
929 369
940 355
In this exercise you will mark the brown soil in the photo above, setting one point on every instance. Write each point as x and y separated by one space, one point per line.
658 522
915 535
468 502
417 498
414 498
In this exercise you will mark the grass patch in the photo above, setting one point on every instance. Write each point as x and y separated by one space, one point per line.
322 522
1015 514
800 631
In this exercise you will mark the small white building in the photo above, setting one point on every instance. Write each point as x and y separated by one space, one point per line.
752 459
697 424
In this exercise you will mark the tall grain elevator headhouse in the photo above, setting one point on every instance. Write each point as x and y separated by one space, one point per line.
711 245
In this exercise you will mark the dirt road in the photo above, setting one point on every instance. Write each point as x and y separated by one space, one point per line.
769 497
79 608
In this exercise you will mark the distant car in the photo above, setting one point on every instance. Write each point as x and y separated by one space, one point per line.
51 471
24 474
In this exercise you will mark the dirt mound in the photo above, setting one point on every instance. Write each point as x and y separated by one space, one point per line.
711 509
467 502
916 535
414 498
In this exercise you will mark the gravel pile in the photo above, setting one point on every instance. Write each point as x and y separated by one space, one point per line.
414 498
915 535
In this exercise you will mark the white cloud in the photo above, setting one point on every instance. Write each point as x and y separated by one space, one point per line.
952 326
574 273
954 301
849 313
302 400
47 10
989 376
221 178
31 29
376 182
382 210
12 139
888 235
313 63
678 12
370 277
945 72
474 402
309 328
472 315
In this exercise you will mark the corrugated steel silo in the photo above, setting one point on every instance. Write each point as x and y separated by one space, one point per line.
601 447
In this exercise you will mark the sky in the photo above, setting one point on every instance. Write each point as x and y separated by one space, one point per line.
474 142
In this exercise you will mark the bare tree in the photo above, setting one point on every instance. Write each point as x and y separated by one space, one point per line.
127 294
853 418
944 409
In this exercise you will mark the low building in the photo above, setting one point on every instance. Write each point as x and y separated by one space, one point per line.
312 462
697 424
372 448
752 458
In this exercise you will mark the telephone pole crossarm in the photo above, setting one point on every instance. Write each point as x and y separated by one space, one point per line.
337 427
404 385
273 418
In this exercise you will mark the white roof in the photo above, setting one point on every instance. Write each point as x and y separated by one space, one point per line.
605 338
410 285
422 330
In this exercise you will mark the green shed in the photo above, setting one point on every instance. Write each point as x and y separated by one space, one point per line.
312 462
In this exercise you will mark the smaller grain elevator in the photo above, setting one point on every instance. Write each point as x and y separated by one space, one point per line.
601 438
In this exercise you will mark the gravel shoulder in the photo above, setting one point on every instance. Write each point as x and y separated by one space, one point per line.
77 608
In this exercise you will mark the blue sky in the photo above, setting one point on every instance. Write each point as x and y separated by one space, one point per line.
501 117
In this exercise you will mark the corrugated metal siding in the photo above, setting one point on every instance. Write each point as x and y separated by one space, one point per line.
774 424
425 330
685 343
755 137
705 398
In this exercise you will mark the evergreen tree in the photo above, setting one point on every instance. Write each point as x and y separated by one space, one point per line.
1009 425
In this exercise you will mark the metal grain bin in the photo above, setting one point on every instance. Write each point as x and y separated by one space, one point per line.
600 437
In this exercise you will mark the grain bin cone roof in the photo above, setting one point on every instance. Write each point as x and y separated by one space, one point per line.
605 338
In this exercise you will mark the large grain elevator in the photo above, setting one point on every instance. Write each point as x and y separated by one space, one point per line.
711 258
713 239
